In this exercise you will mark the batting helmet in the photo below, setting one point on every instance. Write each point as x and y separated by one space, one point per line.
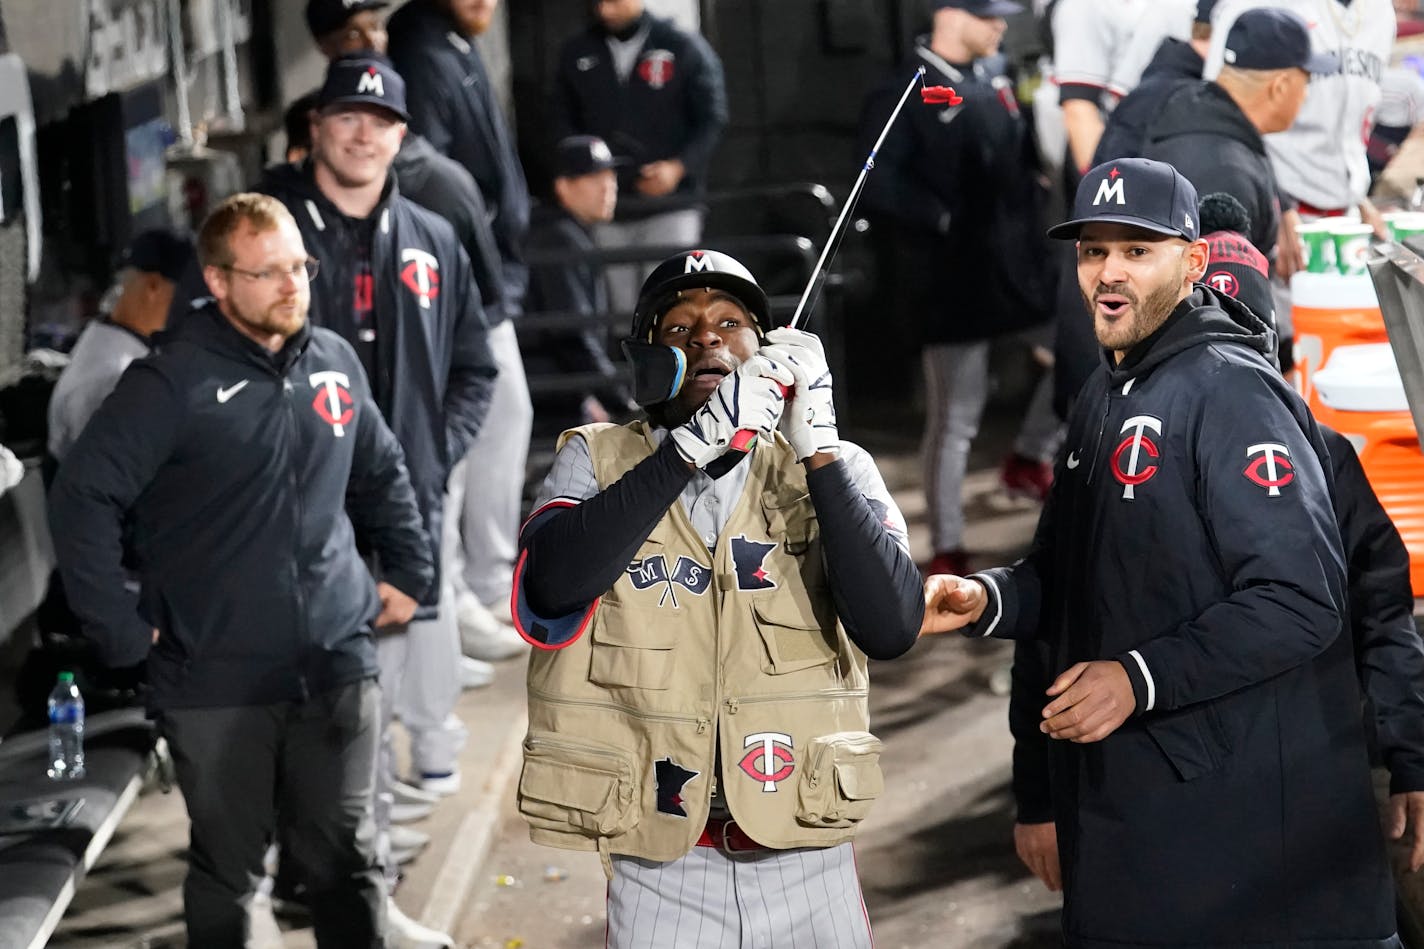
697 270
659 371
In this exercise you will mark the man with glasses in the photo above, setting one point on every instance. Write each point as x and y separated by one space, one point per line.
240 463
396 284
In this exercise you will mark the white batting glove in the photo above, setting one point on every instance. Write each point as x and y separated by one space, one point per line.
809 422
749 398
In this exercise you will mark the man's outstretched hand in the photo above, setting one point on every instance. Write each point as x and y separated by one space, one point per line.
952 603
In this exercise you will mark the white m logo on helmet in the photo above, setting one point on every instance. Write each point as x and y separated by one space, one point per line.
1110 188
696 263
371 82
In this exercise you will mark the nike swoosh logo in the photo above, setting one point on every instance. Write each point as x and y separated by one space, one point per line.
225 394
1073 460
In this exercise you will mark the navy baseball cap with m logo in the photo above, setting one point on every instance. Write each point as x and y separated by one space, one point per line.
364 78
1138 192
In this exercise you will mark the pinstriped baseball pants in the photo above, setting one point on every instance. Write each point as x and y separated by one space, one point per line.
769 899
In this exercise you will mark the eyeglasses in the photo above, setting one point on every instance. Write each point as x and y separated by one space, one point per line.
302 272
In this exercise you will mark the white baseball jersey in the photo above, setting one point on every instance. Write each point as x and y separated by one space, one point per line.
1108 43
1321 158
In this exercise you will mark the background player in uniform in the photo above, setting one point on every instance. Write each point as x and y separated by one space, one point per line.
1100 49
697 705
1320 161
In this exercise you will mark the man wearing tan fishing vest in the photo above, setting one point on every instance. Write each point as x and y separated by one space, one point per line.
697 703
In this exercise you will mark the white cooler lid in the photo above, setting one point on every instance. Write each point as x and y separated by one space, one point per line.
1361 379
1333 291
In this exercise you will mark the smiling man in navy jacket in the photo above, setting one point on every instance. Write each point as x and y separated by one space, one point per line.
1210 782
241 456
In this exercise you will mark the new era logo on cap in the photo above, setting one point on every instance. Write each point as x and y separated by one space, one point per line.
1151 195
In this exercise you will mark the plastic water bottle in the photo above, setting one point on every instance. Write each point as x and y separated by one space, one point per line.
66 730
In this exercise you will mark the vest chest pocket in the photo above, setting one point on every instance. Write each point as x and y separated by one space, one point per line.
842 781
577 785
793 634
632 647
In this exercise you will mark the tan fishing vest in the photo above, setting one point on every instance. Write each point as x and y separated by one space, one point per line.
690 655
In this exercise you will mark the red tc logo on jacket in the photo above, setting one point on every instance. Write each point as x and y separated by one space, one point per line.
333 400
421 275
1132 461
1269 467
655 68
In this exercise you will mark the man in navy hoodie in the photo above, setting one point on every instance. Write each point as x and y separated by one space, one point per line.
243 458
1210 782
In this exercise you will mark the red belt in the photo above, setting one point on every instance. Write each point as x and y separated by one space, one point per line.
1311 210
726 836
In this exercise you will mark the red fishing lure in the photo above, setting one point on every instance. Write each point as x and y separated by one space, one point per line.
940 95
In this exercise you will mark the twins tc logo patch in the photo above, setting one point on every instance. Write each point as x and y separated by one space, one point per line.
748 557
1132 459
769 759
671 778
1270 467
655 68
1223 281
333 400
686 573
421 275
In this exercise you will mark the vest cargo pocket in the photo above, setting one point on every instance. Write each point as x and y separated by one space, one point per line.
794 636
632 647
842 780
577 786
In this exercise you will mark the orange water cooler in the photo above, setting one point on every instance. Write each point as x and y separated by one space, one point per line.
1345 369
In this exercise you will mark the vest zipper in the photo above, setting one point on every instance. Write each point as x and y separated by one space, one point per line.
732 704
571 746
702 722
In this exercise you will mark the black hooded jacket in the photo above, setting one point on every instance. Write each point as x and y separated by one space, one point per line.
434 366
673 105
240 474
955 190
452 104
1175 64
442 185
1203 133
1191 536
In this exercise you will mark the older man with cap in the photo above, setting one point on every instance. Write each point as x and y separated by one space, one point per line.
1212 132
1210 783
1321 161
149 271
563 278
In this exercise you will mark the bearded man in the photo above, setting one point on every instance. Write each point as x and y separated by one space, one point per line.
239 463
1210 782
